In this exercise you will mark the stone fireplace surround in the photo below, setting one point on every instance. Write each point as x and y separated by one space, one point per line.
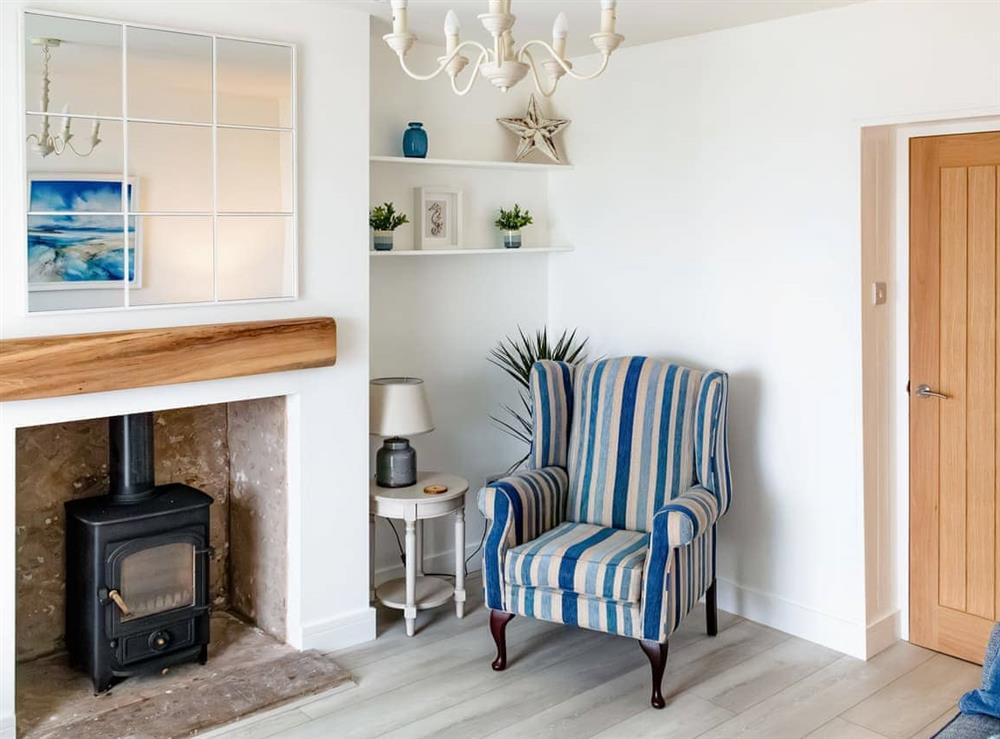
234 452
326 607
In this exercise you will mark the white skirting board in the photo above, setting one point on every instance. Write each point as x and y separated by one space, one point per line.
8 728
792 618
341 632
882 633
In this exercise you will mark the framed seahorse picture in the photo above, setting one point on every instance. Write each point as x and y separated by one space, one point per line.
439 218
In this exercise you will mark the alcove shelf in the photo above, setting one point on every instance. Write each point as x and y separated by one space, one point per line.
464 252
479 164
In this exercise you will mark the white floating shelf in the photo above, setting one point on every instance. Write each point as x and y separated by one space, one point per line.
482 164
467 252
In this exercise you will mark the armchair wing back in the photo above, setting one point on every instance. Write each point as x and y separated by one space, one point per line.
632 433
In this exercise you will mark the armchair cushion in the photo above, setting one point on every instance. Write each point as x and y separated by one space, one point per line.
583 559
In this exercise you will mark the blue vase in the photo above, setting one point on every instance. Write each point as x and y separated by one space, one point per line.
415 141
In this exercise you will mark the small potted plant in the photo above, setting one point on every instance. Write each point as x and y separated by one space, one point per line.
384 220
511 222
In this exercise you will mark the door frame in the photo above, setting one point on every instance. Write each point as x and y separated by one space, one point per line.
887 465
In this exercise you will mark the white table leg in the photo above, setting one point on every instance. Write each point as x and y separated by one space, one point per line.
460 562
410 611
371 557
420 547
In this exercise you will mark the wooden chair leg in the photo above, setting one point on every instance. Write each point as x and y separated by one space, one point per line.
712 610
498 627
657 654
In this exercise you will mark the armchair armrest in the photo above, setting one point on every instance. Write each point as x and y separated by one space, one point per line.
682 532
519 507
530 501
685 518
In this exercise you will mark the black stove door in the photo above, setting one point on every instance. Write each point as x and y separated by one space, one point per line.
156 580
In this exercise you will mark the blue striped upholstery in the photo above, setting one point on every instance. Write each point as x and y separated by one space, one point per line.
633 440
610 616
582 558
520 508
687 516
552 408
613 526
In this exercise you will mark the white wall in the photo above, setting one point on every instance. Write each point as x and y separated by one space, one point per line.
715 209
329 468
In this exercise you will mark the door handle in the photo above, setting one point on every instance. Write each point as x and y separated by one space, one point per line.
924 391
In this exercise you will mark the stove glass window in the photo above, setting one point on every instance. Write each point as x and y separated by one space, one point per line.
158 579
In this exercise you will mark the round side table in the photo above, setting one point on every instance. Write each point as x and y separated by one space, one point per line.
417 591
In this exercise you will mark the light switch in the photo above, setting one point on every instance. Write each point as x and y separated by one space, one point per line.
878 293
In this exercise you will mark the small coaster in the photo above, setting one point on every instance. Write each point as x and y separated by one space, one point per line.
435 489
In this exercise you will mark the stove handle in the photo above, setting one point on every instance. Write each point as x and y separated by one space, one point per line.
115 597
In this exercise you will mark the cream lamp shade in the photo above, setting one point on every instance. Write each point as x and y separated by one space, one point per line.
398 407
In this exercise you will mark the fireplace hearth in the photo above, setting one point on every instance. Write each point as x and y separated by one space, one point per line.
137 566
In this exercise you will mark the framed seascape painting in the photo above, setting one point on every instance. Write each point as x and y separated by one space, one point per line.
76 232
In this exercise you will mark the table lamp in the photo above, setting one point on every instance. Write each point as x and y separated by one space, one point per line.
397 408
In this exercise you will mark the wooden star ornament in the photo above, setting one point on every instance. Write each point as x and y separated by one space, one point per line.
535 131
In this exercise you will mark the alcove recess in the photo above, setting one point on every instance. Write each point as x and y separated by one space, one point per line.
234 452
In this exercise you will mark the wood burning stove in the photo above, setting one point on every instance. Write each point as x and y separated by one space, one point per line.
136 566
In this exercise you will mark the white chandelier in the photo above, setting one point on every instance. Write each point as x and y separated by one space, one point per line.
45 142
504 65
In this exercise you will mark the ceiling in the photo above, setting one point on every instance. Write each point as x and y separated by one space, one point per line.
641 21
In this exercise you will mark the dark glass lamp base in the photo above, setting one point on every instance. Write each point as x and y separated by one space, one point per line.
396 464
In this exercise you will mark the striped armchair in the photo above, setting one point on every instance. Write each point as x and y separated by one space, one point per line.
612 525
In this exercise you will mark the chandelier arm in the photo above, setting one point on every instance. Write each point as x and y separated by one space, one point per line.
472 77
566 68
74 150
534 75
443 64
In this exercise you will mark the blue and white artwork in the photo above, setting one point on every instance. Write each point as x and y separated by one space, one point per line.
74 240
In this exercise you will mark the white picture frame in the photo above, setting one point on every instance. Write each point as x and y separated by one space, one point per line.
438 218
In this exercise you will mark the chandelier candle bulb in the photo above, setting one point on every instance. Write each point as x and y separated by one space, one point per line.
608 16
560 29
399 16
451 30
65 122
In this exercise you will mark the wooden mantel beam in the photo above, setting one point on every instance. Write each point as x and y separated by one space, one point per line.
52 366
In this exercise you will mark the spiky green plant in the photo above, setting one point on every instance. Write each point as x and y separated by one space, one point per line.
516 356
385 218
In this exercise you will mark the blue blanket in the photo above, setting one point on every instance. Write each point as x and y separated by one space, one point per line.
986 699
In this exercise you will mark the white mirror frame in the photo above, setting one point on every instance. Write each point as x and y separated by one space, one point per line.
124 119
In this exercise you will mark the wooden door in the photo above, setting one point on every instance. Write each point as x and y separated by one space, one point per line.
954 510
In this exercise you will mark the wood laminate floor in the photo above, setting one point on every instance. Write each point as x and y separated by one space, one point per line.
749 681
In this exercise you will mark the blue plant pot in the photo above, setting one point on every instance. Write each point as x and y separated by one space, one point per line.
512 239
415 141
382 240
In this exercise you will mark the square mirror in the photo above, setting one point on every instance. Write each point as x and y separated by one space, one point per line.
174 258
177 189
255 171
169 75
254 83
255 257
80 60
173 163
